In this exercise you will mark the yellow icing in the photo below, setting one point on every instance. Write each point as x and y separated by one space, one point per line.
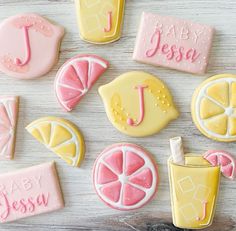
92 18
191 185
121 101
214 107
61 136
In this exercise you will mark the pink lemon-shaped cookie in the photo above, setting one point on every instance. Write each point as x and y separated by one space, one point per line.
125 176
76 77
223 159
29 45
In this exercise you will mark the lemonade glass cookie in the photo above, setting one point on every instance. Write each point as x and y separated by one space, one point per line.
214 107
138 104
100 21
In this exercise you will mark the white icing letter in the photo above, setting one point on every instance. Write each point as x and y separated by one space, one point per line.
14 187
37 180
196 34
26 183
184 34
171 30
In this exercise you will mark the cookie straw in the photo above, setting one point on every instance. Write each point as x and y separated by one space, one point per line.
177 151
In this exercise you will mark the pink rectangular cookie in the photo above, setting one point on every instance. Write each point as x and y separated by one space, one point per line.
29 192
173 43
8 121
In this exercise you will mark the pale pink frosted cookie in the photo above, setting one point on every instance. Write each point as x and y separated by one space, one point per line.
223 159
125 176
8 121
76 77
174 43
29 45
29 192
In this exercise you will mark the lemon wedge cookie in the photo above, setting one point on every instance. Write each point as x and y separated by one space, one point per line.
214 107
61 136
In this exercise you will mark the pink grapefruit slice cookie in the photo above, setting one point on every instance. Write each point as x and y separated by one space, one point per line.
125 176
60 136
8 122
76 77
224 160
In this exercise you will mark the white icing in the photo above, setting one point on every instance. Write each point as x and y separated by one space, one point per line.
123 179
5 102
202 94
177 150
72 140
73 62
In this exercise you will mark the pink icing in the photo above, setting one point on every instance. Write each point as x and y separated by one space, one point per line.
18 62
109 22
34 53
8 120
130 121
122 177
223 159
132 195
174 43
133 162
76 77
29 191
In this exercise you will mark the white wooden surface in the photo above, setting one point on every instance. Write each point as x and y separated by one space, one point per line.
84 211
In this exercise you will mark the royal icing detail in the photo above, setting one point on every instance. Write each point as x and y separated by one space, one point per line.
76 77
29 192
223 159
100 21
174 43
8 123
138 104
60 136
194 190
125 177
36 49
214 107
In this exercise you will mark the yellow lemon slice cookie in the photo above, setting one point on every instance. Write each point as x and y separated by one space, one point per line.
138 104
61 136
214 107
100 21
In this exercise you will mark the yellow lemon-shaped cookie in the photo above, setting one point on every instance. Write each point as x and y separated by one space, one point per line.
214 107
100 21
138 104
61 136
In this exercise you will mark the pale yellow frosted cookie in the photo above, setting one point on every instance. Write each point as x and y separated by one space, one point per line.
100 21
138 104
214 107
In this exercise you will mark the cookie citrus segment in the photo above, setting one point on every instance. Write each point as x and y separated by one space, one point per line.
214 107
224 160
8 122
61 136
125 177
76 77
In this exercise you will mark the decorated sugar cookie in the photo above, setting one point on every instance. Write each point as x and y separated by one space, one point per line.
125 176
100 21
8 122
76 77
29 45
174 43
223 159
61 136
138 104
194 186
214 107
29 192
